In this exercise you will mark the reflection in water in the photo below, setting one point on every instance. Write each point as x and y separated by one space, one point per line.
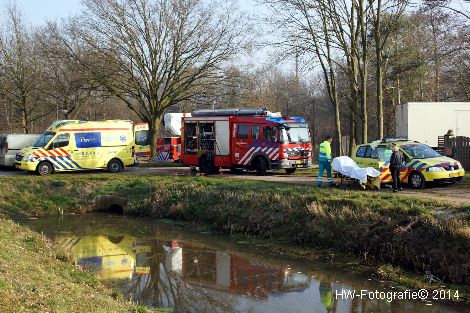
108 257
191 275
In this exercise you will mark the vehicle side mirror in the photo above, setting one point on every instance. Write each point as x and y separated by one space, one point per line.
49 147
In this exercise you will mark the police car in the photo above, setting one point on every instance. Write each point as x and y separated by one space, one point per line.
422 163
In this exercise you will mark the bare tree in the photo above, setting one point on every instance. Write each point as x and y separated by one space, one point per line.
305 29
155 54
461 7
69 86
21 73
385 18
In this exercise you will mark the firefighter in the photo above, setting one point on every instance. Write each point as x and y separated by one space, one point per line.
324 161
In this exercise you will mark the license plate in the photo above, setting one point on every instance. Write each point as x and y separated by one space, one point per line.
299 162
454 175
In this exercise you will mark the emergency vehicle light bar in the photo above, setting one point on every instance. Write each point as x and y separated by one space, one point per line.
235 112
392 139
298 119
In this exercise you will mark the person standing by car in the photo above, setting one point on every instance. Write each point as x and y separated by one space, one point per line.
396 162
324 161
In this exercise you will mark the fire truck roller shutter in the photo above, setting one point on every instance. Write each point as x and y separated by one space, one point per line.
222 137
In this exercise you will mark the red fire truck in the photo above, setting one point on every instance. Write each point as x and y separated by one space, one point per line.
251 139
168 149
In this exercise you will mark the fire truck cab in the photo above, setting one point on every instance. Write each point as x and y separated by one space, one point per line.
252 139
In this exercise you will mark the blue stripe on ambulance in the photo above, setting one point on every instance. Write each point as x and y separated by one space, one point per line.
75 163
68 164
58 162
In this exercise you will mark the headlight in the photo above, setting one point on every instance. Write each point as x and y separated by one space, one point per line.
436 169
29 158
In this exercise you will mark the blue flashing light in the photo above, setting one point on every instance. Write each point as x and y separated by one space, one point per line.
276 120
298 119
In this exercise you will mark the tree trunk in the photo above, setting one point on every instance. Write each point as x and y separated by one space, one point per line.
24 122
352 132
363 69
339 138
379 95
364 105
154 128
378 68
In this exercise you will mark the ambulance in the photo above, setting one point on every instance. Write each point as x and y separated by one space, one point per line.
72 145
251 139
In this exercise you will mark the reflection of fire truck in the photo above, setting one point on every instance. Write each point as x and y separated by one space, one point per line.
252 139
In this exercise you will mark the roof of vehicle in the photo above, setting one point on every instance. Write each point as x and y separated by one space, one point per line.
89 125
391 141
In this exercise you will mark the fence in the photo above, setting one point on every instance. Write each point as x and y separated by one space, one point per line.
457 148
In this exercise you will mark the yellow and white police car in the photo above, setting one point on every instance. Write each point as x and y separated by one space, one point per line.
422 163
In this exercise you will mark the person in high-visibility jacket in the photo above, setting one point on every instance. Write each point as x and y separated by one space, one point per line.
324 161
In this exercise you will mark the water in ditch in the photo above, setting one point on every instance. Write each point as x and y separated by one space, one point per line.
162 265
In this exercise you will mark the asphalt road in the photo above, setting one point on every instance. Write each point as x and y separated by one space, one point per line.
452 193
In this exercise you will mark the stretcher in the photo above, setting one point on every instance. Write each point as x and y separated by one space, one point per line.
351 175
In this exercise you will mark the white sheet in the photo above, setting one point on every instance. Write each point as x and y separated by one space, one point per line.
346 166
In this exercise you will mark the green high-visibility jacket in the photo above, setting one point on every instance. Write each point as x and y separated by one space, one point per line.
325 151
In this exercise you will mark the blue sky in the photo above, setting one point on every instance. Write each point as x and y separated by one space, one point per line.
36 12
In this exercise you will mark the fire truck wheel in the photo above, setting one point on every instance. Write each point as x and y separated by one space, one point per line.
290 170
114 166
261 166
44 168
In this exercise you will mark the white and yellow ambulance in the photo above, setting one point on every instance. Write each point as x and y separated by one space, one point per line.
71 145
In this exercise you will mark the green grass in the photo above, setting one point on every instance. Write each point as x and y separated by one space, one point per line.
32 279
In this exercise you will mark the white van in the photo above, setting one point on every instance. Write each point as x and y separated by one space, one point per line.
10 144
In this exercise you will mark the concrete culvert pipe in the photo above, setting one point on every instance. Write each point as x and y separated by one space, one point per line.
111 204
116 209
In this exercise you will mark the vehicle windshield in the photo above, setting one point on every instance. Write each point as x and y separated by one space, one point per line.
295 134
419 151
44 140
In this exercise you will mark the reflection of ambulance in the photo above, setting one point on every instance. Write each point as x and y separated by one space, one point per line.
71 145
109 257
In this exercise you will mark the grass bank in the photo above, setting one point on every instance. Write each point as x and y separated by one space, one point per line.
415 234
33 280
